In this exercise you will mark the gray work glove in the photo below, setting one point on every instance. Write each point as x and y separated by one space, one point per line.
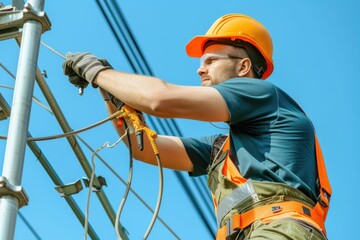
77 81
84 65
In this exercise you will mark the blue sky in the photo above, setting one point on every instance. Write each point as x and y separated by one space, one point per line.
316 49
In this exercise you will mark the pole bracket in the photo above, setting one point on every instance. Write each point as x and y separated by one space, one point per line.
98 183
6 188
12 20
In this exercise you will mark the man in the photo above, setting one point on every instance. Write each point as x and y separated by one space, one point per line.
267 175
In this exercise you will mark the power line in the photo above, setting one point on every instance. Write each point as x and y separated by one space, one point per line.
122 32
52 174
47 166
27 223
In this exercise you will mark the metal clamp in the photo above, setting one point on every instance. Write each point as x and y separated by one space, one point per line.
12 20
98 183
6 188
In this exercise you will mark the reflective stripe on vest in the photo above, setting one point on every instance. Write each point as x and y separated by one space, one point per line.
226 202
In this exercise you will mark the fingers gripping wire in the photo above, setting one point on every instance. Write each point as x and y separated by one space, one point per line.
81 89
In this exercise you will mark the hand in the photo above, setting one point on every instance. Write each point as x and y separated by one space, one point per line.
77 81
84 65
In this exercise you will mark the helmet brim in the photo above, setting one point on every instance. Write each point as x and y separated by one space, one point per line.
195 48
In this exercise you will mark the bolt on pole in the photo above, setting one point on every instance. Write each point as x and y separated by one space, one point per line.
19 120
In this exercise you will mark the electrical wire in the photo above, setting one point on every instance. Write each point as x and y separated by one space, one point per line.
111 117
37 101
158 204
53 50
27 223
123 181
105 145
7 70
127 35
39 139
104 162
128 184
157 208
9 87
140 128
214 125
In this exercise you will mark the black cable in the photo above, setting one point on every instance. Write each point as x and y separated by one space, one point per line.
195 200
205 194
130 35
32 230
195 203
115 35
202 188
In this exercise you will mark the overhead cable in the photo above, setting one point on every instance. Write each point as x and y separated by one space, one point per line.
49 169
54 176
114 18
31 228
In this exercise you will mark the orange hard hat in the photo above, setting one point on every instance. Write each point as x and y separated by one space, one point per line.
236 27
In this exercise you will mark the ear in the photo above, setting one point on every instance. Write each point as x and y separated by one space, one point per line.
245 68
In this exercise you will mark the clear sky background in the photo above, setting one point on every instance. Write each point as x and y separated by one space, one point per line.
316 49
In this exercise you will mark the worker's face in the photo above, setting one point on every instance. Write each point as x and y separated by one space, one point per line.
218 64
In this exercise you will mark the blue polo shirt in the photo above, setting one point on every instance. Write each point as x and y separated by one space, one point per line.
271 137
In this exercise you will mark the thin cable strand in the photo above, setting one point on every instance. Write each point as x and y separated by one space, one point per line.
111 117
123 181
128 185
158 203
214 125
105 145
34 99
87 145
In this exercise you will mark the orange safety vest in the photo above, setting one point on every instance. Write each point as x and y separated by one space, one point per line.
243 189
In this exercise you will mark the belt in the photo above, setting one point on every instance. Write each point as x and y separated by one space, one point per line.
240 221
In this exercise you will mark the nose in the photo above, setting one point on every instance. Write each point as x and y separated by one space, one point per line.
201 70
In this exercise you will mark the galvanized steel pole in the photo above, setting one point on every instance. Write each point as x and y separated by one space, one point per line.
19 121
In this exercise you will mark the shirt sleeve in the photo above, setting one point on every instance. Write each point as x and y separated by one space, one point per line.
199 152
249 99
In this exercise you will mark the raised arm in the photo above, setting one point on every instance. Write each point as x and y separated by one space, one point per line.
162 99
152 96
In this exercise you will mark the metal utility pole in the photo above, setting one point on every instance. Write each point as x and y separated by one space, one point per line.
33 23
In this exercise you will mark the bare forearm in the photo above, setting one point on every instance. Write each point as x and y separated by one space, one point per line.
137 91
158 98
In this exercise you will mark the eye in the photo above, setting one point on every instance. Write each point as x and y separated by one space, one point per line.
210 60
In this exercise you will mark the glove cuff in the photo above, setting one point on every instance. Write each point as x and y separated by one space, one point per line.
94 72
